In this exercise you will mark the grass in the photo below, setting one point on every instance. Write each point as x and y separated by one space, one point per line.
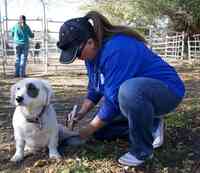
179 154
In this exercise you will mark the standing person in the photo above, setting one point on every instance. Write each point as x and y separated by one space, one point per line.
21 33
136 86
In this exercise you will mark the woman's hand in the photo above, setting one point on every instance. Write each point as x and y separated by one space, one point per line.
81 136
75 115
92 127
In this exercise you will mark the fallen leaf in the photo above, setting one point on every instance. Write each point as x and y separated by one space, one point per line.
40 163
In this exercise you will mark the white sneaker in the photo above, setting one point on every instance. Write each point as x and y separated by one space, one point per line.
129 160
158 135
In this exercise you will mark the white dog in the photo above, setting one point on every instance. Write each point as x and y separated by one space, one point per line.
34 120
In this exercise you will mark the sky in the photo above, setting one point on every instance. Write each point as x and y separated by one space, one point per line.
59 10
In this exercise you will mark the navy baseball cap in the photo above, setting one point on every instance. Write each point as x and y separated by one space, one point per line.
72 33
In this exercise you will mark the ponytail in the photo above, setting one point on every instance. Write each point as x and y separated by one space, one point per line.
104 29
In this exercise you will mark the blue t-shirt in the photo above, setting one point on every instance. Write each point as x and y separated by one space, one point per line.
121 58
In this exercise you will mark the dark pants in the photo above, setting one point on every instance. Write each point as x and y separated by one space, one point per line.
142 101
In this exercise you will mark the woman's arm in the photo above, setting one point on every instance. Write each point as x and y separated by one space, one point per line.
92 127
86 106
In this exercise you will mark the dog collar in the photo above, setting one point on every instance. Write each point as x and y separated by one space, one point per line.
38 119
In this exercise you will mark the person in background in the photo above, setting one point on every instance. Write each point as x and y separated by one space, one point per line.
21 33
136 86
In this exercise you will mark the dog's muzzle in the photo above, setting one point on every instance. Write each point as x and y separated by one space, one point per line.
19 99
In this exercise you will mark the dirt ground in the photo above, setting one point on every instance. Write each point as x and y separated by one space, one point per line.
180 152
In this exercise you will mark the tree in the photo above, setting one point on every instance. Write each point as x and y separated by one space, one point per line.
118 11
184 14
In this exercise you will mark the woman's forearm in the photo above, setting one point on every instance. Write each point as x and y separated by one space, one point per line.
92 127
86 106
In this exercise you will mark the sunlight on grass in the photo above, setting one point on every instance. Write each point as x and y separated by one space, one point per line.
180 152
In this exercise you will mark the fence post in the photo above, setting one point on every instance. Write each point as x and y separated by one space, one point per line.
166 43
44 4
189 50
182 45
2 42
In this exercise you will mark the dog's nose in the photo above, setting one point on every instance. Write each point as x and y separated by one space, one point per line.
19 99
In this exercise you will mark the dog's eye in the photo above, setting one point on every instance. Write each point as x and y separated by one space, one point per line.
32 91
18 88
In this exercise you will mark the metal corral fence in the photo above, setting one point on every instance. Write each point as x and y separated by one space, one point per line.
194 48
42 48
8 43
44 52
169 45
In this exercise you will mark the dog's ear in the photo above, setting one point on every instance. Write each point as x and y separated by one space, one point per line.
12 94
48 90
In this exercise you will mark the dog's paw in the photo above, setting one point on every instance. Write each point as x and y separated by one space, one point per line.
17 158
55 155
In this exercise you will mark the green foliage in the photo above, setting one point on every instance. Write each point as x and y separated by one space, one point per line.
76 169
183 13
192 7
117 11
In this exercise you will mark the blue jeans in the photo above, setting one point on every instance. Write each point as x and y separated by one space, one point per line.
21 59
142 101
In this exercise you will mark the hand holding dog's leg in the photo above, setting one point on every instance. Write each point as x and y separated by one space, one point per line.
19 154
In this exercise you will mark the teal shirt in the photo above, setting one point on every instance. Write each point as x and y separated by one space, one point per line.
21 34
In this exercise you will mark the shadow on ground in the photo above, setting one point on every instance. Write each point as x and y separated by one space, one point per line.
179 154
